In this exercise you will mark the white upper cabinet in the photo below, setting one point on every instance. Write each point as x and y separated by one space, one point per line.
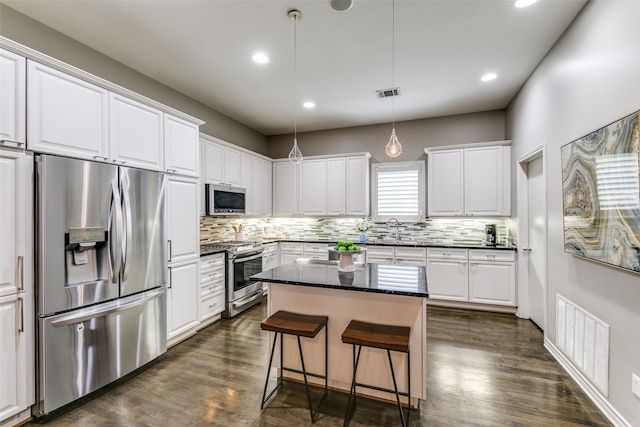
357 185
232 167
135 134
285 188
246 182
261 188
473 181
13 113
223 165
181 146
66 115
322 186
182 217
336 187
445 194
312 187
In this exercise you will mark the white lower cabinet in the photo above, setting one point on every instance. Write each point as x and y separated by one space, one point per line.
182 300
476 276
400 255
290 251
317 251
212 287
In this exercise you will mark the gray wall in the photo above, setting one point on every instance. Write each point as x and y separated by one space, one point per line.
414 136
26 31
589 79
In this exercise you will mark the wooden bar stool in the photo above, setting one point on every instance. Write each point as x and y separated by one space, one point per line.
299 325
386 337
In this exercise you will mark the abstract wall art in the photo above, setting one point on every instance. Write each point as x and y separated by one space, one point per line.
601 195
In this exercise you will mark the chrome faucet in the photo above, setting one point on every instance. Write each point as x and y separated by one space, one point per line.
397 231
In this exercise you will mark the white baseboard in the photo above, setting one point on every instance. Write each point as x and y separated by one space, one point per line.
591 391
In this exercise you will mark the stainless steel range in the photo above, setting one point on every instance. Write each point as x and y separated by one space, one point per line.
244 259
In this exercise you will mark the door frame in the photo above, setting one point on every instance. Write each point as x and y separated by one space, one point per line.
523 232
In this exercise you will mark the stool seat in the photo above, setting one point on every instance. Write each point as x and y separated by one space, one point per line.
379 336
294 324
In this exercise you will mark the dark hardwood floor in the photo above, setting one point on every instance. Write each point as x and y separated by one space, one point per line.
483 369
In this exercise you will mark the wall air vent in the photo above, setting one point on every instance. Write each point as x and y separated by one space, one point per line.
385 93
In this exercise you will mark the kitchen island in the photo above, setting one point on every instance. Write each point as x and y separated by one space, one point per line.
376 293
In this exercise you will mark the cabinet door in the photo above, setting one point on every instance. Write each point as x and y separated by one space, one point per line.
492 282
267 187
289 257
285 188
312 194
15 184
232 167
181 146
214 163
66 115
13 113
182 298
448 279
135 133
483 180
183 218
336 186
445 193
357 186
246 182
13 369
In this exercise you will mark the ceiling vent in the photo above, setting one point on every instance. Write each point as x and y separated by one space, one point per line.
385 93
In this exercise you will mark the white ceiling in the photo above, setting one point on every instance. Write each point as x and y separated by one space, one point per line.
204 48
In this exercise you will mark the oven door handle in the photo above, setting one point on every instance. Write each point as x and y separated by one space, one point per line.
246 300
239 260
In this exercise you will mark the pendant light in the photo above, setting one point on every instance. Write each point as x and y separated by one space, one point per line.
295 156
393 148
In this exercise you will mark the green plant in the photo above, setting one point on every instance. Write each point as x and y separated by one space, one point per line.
363 225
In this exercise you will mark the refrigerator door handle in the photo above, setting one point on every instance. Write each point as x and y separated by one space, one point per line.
115 307
115 242
21 272
126 246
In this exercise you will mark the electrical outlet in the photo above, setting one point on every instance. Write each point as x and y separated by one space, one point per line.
635 384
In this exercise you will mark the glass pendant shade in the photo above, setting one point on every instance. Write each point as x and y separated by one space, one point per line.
393 148
295 156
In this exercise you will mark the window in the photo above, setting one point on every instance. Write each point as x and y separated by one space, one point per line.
398 191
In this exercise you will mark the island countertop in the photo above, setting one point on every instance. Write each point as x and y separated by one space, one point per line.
406 280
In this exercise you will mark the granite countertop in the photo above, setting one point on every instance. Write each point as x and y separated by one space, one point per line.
409 243
380 278
208 251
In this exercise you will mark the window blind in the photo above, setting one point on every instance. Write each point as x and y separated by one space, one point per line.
398 192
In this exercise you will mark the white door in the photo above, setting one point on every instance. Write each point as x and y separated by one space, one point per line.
232 167
182 153
445 183
213 163
357 186
246 181
12 368
536 227
492 282
183 218
336 187
285 188
483 181
182 298
312 192
448 279
13 94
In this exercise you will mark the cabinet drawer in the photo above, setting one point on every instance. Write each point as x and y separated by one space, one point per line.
489 255
291 246
380 252
212 273
210 261
446 253
211 286
404 252
315 247
211 305
316 255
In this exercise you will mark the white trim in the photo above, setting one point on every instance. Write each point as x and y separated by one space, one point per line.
523 233
49 61
329 156
590 390
427 150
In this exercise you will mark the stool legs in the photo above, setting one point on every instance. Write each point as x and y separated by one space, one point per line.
312 412
352 390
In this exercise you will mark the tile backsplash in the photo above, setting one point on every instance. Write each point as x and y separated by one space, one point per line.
434 230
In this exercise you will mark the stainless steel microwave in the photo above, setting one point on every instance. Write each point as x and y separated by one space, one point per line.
224 200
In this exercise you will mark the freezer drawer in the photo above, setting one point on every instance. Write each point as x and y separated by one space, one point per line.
84 350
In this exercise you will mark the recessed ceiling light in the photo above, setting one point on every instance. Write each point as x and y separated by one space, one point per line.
309 104
488 77
260 58
524 3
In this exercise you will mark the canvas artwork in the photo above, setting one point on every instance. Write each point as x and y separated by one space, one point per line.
601 195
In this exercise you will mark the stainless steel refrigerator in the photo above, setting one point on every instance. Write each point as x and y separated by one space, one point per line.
101 250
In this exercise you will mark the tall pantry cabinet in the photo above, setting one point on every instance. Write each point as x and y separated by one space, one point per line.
16 252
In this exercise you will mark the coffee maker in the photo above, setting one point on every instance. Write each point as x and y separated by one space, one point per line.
490 235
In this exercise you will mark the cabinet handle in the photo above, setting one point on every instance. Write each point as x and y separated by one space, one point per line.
170 279
10 143
526 249
21 271
104 159
169 249
171 170
21 320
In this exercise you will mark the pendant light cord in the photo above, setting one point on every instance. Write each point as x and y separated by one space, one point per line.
393 64
295 80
